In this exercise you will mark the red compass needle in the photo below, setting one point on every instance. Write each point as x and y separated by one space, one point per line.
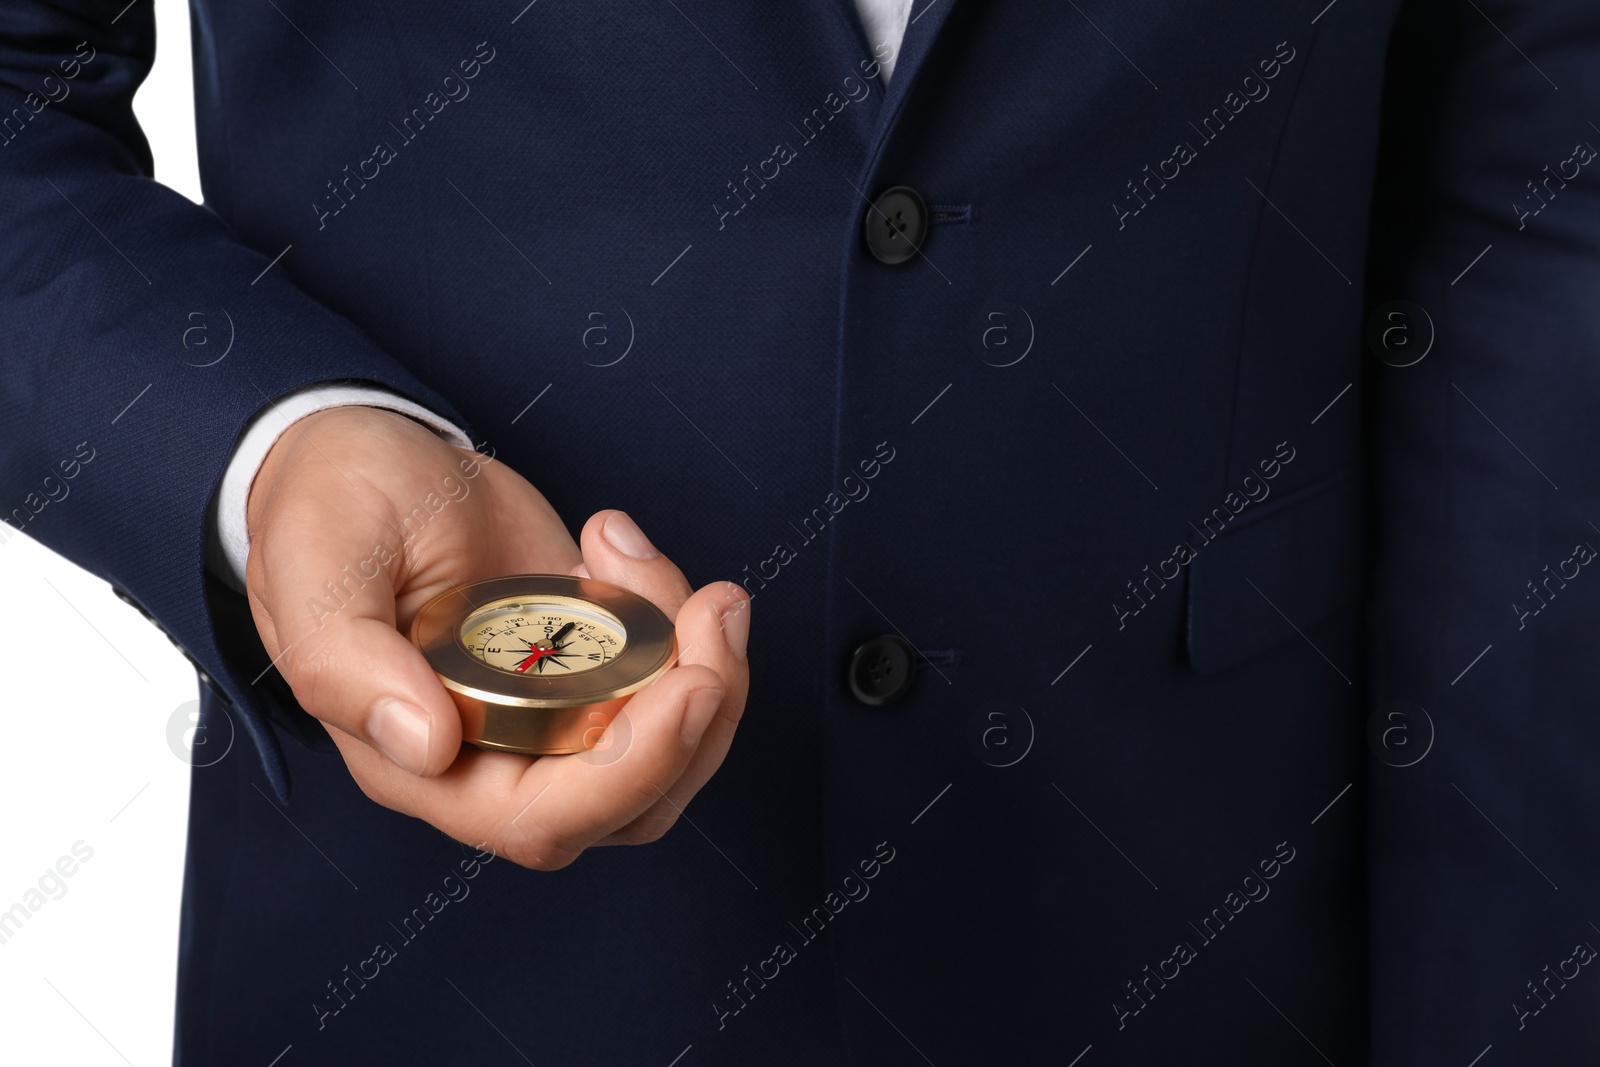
538 654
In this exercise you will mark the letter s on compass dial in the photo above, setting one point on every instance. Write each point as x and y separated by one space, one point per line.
525 636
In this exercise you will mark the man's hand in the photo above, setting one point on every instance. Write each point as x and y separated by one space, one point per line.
360 516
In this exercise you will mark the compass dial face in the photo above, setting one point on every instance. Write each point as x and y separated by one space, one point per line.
543 636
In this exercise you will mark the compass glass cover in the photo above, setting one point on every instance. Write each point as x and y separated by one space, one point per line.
543 637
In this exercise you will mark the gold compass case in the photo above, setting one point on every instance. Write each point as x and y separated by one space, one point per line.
541 663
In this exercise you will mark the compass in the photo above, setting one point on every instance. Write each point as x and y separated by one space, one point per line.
541 663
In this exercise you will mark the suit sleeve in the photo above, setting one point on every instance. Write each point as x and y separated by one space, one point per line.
119 298
1486 450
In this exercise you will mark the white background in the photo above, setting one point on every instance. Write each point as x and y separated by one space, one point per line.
89 980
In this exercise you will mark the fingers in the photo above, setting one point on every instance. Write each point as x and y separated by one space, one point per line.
615 550
543 813
713 628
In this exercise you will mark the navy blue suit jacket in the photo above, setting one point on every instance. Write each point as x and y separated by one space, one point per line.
1198 766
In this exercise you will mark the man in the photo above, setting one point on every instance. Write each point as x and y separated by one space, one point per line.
922 336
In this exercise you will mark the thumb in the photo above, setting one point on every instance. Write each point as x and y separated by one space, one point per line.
615 550
330 601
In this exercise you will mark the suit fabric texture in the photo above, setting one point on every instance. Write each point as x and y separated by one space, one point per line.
1113 452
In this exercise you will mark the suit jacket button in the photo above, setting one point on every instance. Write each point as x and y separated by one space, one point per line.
895 225
880 670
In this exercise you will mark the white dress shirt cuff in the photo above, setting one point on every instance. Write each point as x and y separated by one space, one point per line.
227 535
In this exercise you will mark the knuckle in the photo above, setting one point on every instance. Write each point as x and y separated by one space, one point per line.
540 855
697 676
733 708
648 828
538 848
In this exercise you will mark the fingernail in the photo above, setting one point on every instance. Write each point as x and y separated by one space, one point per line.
625 536
736 626
703 705
400 731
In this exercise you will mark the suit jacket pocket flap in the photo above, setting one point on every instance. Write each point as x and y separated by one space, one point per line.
1277 571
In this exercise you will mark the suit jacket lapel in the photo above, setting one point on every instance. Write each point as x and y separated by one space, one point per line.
927 18
854 34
